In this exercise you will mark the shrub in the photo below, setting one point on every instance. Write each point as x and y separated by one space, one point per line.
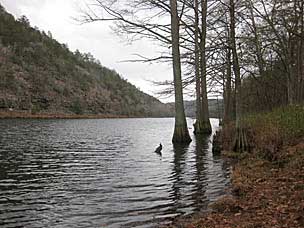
268 132
76 107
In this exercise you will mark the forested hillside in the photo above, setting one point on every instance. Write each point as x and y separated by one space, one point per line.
215 108
40 75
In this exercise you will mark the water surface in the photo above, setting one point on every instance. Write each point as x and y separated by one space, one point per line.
103 173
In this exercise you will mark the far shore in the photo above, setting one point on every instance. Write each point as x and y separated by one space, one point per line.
28 115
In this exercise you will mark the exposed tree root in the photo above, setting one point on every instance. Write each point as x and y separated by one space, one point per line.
240 142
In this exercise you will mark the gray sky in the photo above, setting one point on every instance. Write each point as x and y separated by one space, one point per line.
97 38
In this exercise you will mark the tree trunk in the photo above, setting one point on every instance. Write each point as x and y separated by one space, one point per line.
240 144
227 87
228 111
205 121
257 43
291 71
181 134
300 55
198 123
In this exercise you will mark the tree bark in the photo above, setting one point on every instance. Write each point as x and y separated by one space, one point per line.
300 73
181 134
291 74
240 144
257 43
198 122
227 87
205 121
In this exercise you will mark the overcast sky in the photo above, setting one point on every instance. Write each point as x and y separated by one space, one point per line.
97 38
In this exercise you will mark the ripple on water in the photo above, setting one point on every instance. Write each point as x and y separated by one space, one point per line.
92 173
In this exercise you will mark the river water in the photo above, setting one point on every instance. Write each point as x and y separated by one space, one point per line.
103 173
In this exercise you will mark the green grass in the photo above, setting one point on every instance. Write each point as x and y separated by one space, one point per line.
289 121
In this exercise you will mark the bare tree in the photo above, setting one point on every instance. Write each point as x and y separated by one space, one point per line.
198 123
181 134
205 122
139 19
241 143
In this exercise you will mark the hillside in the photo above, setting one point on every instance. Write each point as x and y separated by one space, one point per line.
41 76
215 108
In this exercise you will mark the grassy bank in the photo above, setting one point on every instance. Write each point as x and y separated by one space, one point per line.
268 182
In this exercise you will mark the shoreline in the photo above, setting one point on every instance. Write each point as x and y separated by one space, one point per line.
267 183
263 194
27 115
